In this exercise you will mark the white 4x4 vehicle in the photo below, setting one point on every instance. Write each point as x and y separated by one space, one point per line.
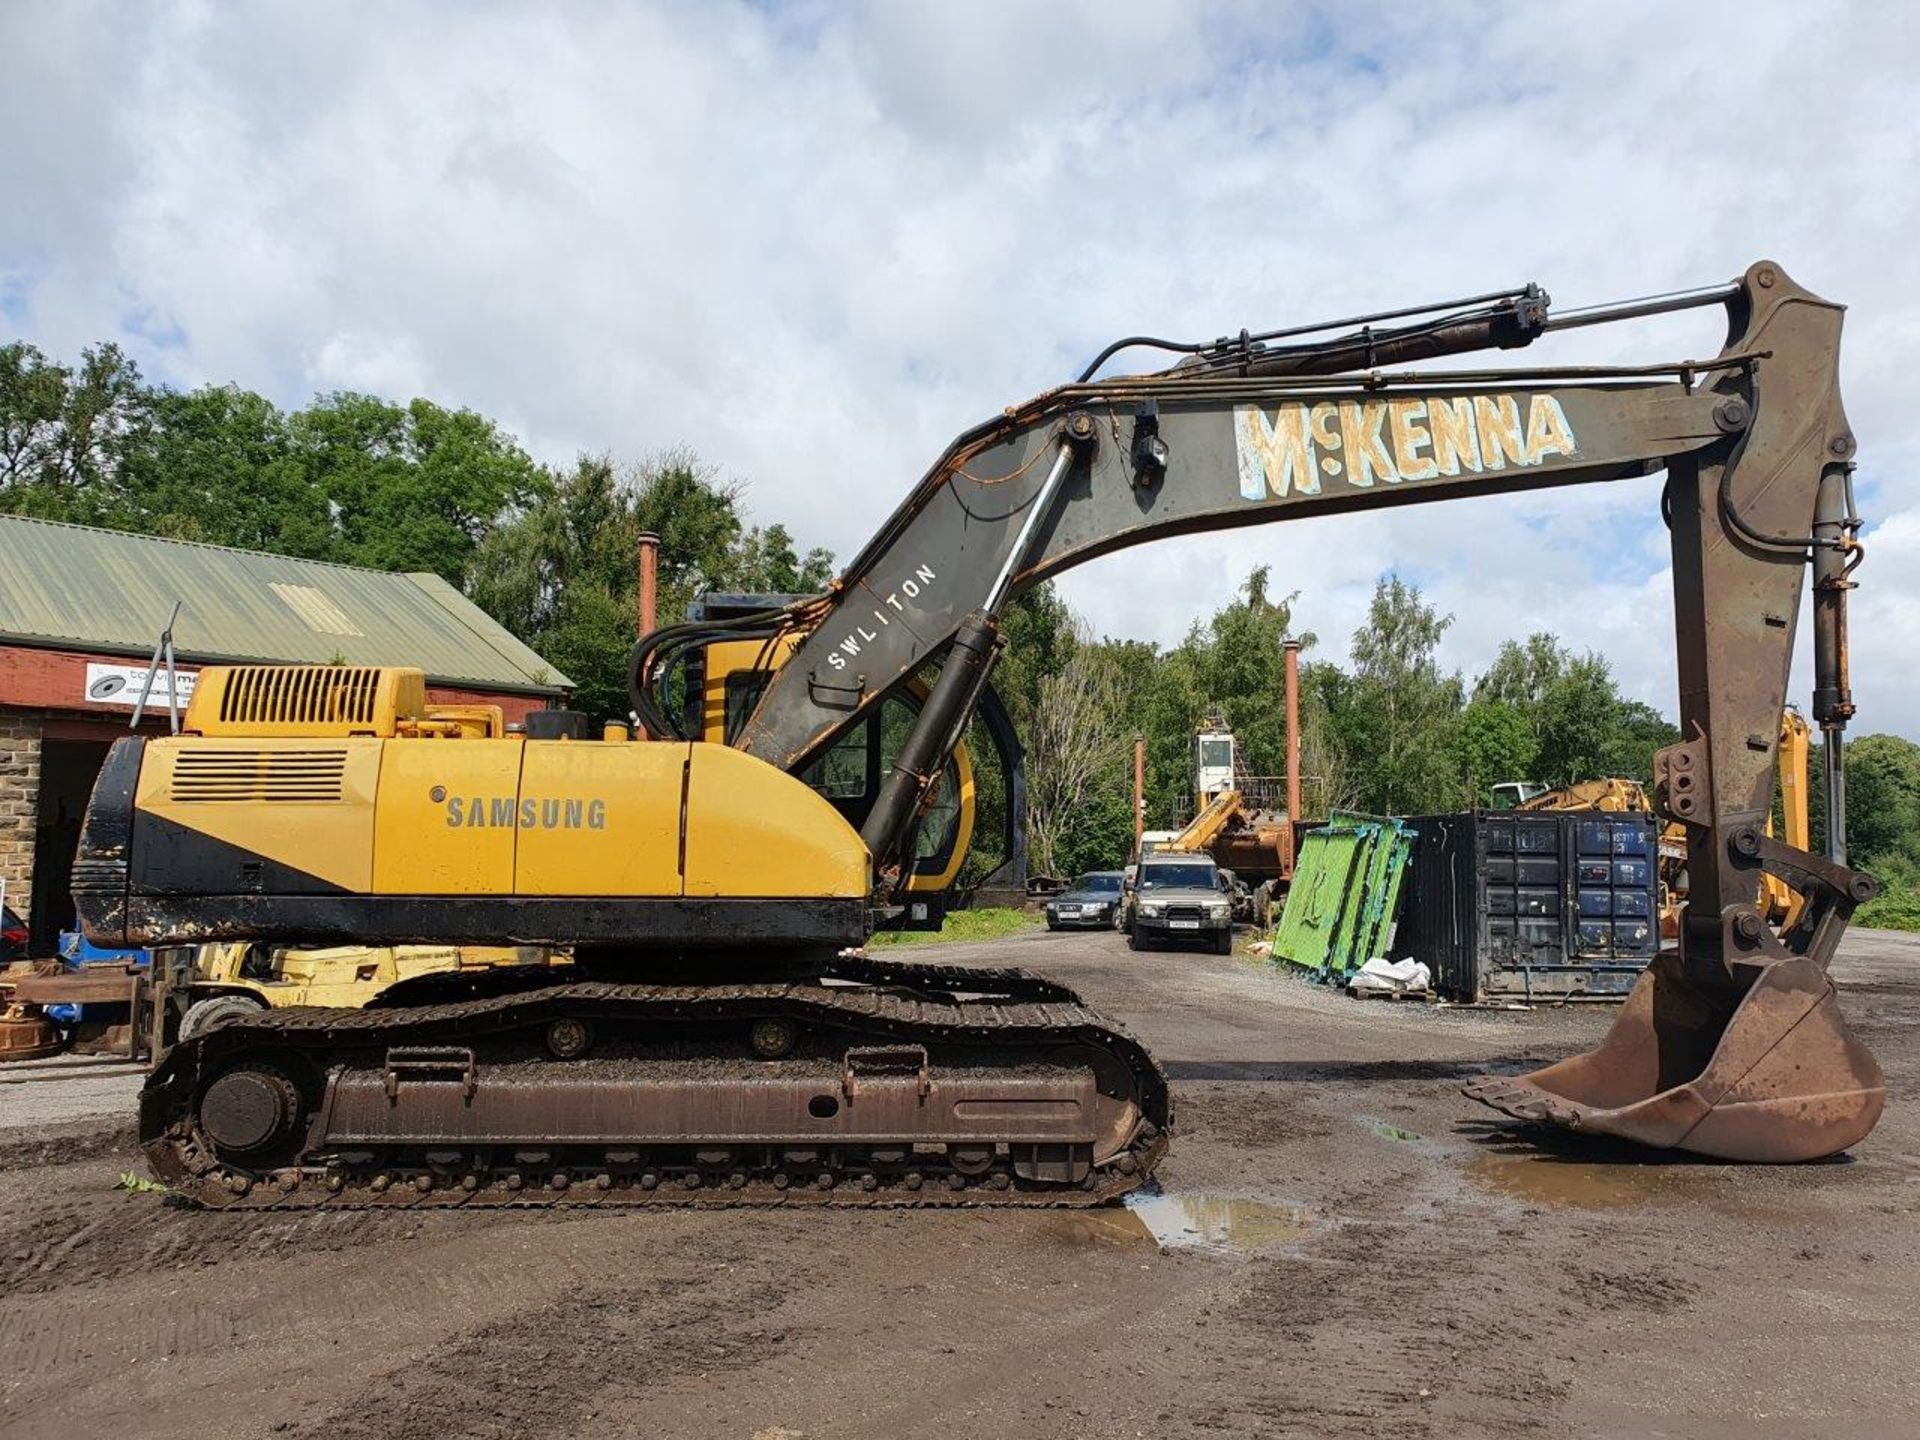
1178 897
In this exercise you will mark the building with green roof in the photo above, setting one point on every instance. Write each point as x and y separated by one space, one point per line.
81 610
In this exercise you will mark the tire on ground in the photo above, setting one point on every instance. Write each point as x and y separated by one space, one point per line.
204 1015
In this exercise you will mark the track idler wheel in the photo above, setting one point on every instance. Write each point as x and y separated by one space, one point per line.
249 1110
773 1039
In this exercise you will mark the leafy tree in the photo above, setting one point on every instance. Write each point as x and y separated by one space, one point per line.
1073 745
1637 731
411 487
1495 743
1582 727
1522 672
65 433
1038 632
562 572
1399 715
220 467
1575 719
767 563
1327 780
1883 802
1238 670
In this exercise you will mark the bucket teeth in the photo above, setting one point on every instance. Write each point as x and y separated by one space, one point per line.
1498 1092
1524 1102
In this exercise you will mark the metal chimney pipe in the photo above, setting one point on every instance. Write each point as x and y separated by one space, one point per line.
1139 791
645 620
1291 650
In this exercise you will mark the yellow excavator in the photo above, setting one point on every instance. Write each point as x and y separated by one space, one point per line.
720 1039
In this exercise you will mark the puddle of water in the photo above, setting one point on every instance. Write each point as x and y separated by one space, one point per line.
1222 1223
1541 1181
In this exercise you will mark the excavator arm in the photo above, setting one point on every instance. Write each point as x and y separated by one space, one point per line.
1207 825
1754 441
1732 1044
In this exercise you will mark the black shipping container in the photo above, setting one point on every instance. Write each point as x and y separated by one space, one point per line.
1506 905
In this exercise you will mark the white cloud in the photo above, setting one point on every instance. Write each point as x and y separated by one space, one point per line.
814 242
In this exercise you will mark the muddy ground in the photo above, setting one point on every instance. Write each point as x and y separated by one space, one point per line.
1388 1262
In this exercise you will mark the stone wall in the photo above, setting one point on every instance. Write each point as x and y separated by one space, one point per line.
19 802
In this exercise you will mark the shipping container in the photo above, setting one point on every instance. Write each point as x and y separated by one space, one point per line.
1503 905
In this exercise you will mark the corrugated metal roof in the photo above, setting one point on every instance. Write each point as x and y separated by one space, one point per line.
105 590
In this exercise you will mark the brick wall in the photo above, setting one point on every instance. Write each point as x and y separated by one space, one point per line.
19 802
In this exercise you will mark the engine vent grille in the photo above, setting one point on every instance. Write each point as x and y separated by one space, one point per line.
300 695
278 777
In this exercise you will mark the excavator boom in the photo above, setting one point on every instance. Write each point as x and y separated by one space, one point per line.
1732 1044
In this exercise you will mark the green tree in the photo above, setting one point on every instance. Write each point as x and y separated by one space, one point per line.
1237 670
66 433
1638 730
562 572
767 563
1038 630
1883 802
1522 671
1400 713
1583 728
1495 743
1575 720
220 467
410 487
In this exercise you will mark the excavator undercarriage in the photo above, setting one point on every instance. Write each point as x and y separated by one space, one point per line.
865 1083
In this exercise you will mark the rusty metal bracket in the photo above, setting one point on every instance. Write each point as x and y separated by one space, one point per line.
1680 774
1832 892
887 1059
430 1062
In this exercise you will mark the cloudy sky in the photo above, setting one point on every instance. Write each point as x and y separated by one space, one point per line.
814 241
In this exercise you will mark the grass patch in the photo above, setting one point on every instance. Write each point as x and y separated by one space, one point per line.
1896 907
990 923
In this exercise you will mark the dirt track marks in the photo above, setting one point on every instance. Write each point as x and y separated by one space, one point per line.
568 1364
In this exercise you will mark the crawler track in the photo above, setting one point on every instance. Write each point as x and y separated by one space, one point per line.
904 1085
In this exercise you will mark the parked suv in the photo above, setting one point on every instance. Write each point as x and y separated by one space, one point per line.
1089 901
1178 897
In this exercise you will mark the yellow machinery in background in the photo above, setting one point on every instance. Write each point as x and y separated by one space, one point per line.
236 978
1780 901
1613 793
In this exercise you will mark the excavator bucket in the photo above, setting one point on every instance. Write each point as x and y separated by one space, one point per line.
1772 1075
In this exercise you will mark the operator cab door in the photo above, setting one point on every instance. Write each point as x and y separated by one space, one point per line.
848 775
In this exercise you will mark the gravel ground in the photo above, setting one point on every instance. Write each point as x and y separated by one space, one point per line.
1352 1250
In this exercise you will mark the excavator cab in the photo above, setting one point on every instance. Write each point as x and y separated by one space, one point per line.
730 676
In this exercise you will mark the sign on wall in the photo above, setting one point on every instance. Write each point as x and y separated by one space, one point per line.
121 685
